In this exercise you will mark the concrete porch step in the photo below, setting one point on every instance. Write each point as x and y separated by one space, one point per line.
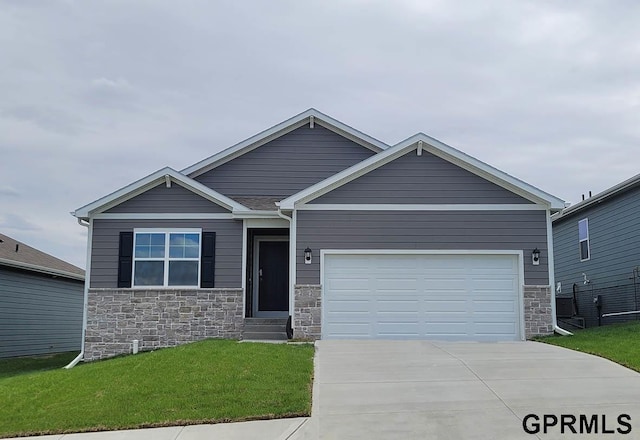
267 329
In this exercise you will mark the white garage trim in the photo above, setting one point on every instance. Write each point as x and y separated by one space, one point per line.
517 253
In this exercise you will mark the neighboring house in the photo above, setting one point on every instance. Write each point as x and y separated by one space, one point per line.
597 262
316 221
40 301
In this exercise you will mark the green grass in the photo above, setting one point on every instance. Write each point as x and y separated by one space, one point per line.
617 342
204 382
24 365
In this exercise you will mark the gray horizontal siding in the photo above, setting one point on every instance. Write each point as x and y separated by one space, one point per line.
420 179
162 199
473 230
106 233
39 314
614 232
287 164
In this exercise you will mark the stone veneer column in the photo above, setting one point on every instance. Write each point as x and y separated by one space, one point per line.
307 311
159 318
538 318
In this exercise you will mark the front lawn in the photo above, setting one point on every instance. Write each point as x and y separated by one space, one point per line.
204 382
617 342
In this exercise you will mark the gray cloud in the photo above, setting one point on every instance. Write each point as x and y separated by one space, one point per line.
14 222
6 190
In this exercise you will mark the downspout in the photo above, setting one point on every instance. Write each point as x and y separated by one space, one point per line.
552 280
89 226
292 266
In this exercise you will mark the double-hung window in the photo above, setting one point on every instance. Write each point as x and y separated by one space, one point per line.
166 257
583 237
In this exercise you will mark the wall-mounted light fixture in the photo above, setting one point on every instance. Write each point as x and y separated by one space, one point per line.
307 256
535 257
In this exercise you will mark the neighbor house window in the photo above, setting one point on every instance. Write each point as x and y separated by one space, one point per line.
583 236
166 258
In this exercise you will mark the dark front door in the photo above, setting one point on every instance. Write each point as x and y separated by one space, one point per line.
273 278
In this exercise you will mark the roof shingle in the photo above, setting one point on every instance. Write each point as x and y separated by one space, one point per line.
16 253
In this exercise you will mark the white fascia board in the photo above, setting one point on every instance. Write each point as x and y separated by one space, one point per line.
40 269
437 148
278 130
140 186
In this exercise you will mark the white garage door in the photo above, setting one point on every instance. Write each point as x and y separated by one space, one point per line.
440 297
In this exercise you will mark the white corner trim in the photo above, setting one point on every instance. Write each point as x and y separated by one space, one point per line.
551 269
244 266
278 130
163 216
420 207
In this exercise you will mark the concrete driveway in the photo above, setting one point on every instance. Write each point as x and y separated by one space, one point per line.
433 390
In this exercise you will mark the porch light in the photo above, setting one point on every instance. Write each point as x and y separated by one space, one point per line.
535 257
307 256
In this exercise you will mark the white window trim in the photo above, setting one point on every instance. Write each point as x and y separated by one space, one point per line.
166 259
588 240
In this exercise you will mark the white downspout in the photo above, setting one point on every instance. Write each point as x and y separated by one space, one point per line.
87 276
292 258
552 280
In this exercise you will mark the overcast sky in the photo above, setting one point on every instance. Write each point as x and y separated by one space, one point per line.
97 94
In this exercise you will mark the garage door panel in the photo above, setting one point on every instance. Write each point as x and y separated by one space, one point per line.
451 297
441 306
348 306
495 306
392 306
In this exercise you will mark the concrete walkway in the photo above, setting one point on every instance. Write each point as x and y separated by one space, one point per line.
420 390
280 429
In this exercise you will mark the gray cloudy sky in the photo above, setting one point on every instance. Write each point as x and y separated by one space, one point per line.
96 94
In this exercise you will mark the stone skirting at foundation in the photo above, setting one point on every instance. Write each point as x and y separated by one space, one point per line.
307 312
307 317
159 318
538 317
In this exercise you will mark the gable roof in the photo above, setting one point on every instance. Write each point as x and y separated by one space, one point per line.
433 146
14 253
603 196
146 183
311 116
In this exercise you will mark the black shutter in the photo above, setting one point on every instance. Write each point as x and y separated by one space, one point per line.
208 259
124 259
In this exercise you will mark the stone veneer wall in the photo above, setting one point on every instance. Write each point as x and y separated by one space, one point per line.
307 311
538 317
159 318
307 317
